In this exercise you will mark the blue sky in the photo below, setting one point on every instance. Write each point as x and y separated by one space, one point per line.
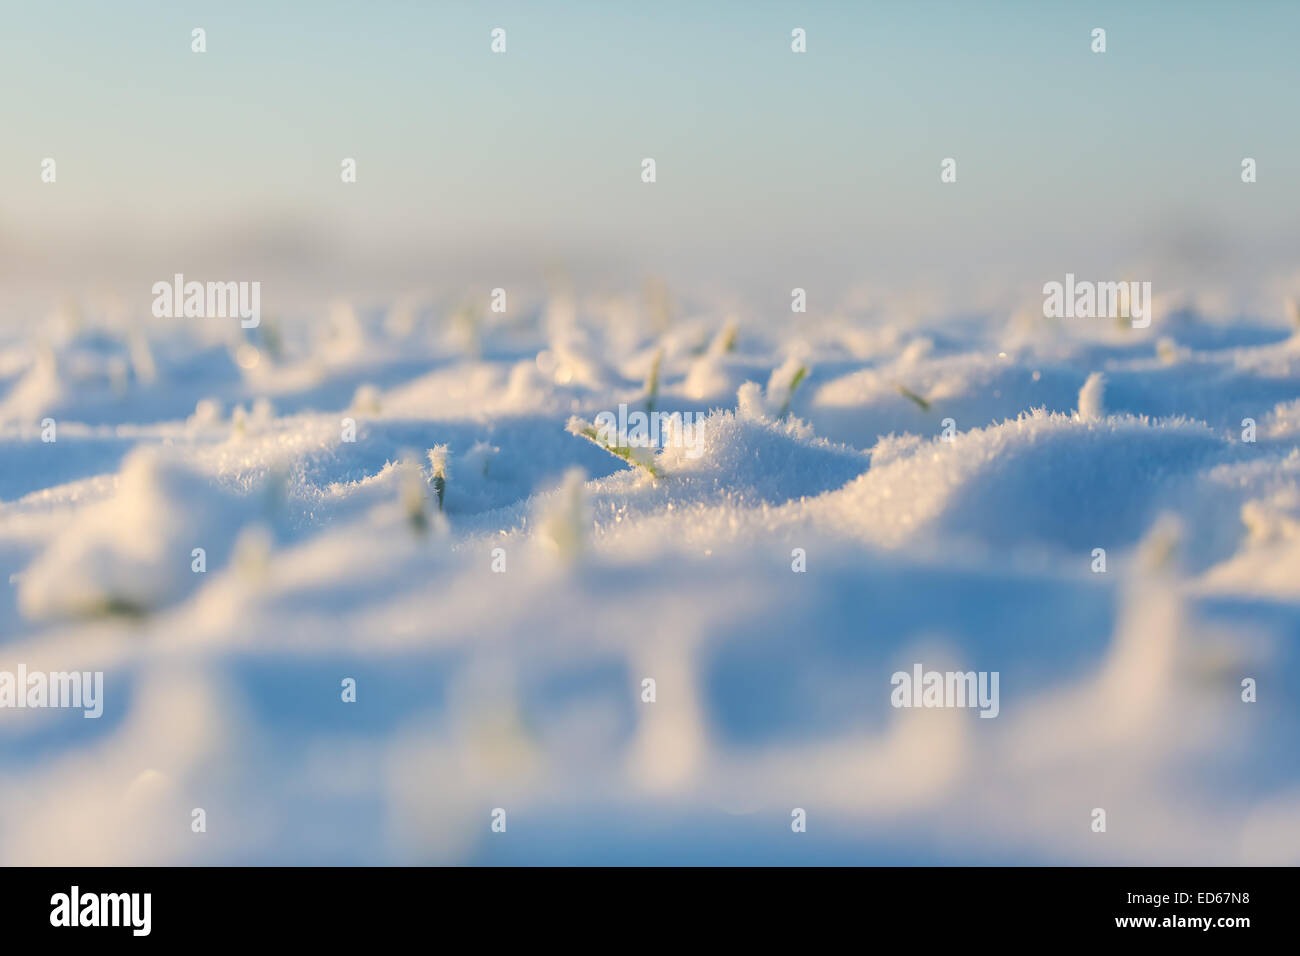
829 159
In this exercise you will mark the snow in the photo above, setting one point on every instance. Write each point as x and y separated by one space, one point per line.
499 637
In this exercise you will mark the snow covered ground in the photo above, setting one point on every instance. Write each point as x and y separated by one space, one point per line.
943 481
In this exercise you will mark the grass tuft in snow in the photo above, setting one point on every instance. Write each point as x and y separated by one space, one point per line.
415 500
268 333
652 382
366 400
749 402
641 457
438 466
114 606
1160 547
565 521
251 557
725 341
468 323
799 375
479 457
906 392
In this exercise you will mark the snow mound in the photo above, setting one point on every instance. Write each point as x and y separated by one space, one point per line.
134 552
757 459
1042 479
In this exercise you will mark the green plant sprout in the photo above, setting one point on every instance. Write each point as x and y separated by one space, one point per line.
642 458
414 496
725 341
438 464
798 377
652 382
906 392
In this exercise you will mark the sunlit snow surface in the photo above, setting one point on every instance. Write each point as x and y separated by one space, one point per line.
522 689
